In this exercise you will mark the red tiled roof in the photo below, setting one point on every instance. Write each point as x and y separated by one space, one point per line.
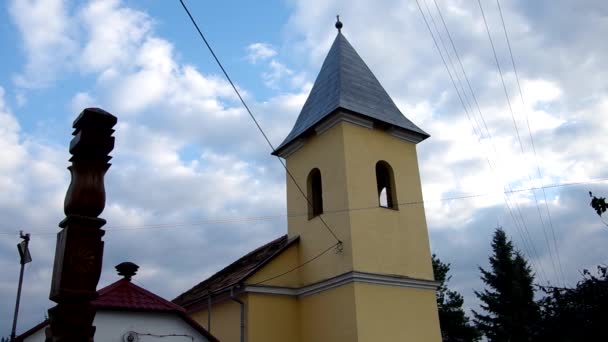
125 295
236 272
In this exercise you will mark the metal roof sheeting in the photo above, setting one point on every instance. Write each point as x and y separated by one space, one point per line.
346 82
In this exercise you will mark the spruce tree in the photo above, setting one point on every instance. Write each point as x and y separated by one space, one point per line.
508 300
454 323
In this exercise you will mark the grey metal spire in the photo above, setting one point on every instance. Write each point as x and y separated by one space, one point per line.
345 82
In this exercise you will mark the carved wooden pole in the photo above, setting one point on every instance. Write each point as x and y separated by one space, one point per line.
79 250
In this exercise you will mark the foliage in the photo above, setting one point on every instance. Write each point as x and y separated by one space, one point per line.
508 301
598 204
454 323
576 314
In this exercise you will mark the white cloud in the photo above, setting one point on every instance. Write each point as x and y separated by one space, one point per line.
114 33
276 74
81 101
47 39
260 52
187 152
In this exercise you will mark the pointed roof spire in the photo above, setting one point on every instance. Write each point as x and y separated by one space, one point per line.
346 82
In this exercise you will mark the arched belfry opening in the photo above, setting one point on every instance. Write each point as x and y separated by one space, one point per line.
385 182
315 193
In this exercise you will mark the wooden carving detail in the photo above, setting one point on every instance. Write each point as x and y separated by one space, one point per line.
79 249
93 141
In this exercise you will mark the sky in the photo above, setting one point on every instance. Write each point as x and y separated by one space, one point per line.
193 186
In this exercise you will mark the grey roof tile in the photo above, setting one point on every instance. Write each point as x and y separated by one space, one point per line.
346 82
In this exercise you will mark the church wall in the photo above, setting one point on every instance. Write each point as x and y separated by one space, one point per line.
330 316
390 313
386 241
325 152
272 318
225 320
287 260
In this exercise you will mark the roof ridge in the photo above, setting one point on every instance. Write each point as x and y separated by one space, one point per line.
340 71
236 272
229 266
108 296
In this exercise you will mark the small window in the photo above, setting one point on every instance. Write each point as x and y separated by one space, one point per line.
315 194
386 185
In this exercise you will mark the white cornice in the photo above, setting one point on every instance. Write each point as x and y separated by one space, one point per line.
404 135
291 148
340 117
344 279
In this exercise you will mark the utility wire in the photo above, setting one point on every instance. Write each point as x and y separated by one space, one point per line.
255 120
504 86
523 228
229 220
540 174
518 228
450 60
298 266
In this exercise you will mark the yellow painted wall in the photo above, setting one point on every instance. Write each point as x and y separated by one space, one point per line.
385 240
272 318
376 240
287 260
389 313
329 316
325 152
225 319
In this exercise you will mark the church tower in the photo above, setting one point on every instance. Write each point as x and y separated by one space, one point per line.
353 153
355 265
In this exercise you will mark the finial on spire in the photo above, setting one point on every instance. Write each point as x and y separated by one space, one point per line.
338 23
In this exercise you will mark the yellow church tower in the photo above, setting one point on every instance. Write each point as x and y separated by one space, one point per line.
355 264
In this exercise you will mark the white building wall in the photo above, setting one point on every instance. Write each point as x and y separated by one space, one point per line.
112 326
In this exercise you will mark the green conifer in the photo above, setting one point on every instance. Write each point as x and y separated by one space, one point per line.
454 323
508 300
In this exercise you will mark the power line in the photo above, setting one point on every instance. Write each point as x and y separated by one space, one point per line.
298 266
254 119
504 86
523 228
478 135
246 219
488 133
449 58
540 174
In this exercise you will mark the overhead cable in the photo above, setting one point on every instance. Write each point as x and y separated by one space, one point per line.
538 168
254 119
504 86
519 229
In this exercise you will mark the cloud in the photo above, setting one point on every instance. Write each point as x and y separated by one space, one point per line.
557 71
44 26
113 31
192 186
257 52
82 100
277 73
186 152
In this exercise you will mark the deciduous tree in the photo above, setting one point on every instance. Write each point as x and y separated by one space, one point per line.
579 313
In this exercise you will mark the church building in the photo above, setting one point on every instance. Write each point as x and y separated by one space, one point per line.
355 264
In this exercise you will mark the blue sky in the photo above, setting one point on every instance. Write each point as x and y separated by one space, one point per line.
188 156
